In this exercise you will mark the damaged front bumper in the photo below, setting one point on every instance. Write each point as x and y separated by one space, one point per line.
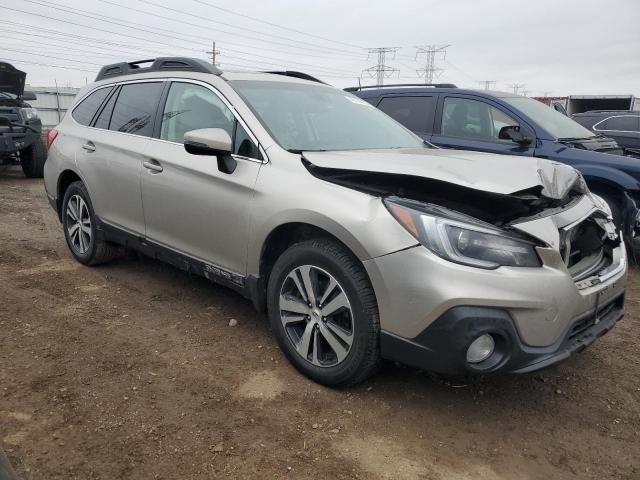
431 309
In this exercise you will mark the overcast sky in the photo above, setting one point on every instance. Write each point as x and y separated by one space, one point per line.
553 46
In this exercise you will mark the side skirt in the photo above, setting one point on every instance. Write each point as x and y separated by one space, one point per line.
248 286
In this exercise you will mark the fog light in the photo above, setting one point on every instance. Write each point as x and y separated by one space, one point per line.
480 349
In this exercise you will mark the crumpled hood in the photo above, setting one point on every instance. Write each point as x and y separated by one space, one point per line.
502 174
11 79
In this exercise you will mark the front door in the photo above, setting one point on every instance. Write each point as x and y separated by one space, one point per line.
190 205
473 124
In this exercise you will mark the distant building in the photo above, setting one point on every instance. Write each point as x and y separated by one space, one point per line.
52 103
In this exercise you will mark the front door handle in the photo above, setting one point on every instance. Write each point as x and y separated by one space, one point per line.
89 147
152 165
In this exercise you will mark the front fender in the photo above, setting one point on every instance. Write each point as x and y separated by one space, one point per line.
608 176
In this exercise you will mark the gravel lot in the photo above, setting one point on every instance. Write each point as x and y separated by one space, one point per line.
132 371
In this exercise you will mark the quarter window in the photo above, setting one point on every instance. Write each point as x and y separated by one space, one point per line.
412 112
191 107
628 123
465 118
104 118
135 108
86 110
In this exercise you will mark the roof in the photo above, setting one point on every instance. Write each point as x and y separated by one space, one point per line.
404 89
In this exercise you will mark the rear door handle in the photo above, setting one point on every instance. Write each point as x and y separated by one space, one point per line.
152 165
89 147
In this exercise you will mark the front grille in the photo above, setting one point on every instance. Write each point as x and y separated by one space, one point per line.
10 113
585 249
589 321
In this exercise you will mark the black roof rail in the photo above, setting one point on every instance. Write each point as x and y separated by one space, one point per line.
294 74
395 85
161 64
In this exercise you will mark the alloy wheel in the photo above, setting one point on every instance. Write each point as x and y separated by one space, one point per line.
78 224
316 316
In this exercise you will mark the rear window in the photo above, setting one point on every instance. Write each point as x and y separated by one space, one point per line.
412 112
85 111
135 109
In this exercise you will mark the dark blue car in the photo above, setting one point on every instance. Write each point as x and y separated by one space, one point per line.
504 123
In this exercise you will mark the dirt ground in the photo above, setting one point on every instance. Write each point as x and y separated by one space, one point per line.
131 371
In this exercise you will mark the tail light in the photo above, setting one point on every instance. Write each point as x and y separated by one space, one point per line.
51 136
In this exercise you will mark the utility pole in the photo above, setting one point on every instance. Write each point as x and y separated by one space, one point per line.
525 93
486 84
213 53
430 69
516 87
380 71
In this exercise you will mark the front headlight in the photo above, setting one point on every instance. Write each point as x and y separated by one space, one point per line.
461 238
29 113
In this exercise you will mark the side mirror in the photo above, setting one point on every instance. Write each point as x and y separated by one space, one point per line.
208 141
29 96
515 134
213 142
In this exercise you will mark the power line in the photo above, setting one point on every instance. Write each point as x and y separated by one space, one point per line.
380 71
65 67
430 69
516 87
244 30
276 25
213 53
161 43
48 55
486 84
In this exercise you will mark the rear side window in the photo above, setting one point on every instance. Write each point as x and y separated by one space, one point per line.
621 123
85 111
412 112
135 108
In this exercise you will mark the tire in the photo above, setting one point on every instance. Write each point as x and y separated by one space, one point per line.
83 243
334 272
32 159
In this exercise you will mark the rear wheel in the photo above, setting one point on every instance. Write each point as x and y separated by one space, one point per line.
324 313
79 223
32 159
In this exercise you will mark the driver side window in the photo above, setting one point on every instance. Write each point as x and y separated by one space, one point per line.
473 119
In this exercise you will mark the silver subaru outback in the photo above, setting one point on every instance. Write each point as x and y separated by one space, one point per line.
361 241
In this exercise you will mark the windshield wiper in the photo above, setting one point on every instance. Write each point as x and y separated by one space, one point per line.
574 139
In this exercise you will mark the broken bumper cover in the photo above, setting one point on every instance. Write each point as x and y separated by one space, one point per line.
432 310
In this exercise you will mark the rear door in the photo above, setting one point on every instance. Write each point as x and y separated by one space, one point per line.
190 205
415 111
113 150
465 122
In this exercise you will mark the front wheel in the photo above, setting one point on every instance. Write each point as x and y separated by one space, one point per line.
32 159
79 223
324 313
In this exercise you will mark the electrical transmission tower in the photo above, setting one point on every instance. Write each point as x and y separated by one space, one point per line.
516 87
486 84
213 53
380 71
430 69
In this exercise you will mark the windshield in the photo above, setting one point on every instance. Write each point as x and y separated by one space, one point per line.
303 117
557 124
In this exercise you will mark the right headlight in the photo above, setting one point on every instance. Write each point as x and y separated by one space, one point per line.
461 238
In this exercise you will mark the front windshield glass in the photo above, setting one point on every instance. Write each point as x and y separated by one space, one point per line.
557 124
303 117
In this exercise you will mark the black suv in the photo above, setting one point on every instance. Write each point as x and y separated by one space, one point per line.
20 127
495 122
623 126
